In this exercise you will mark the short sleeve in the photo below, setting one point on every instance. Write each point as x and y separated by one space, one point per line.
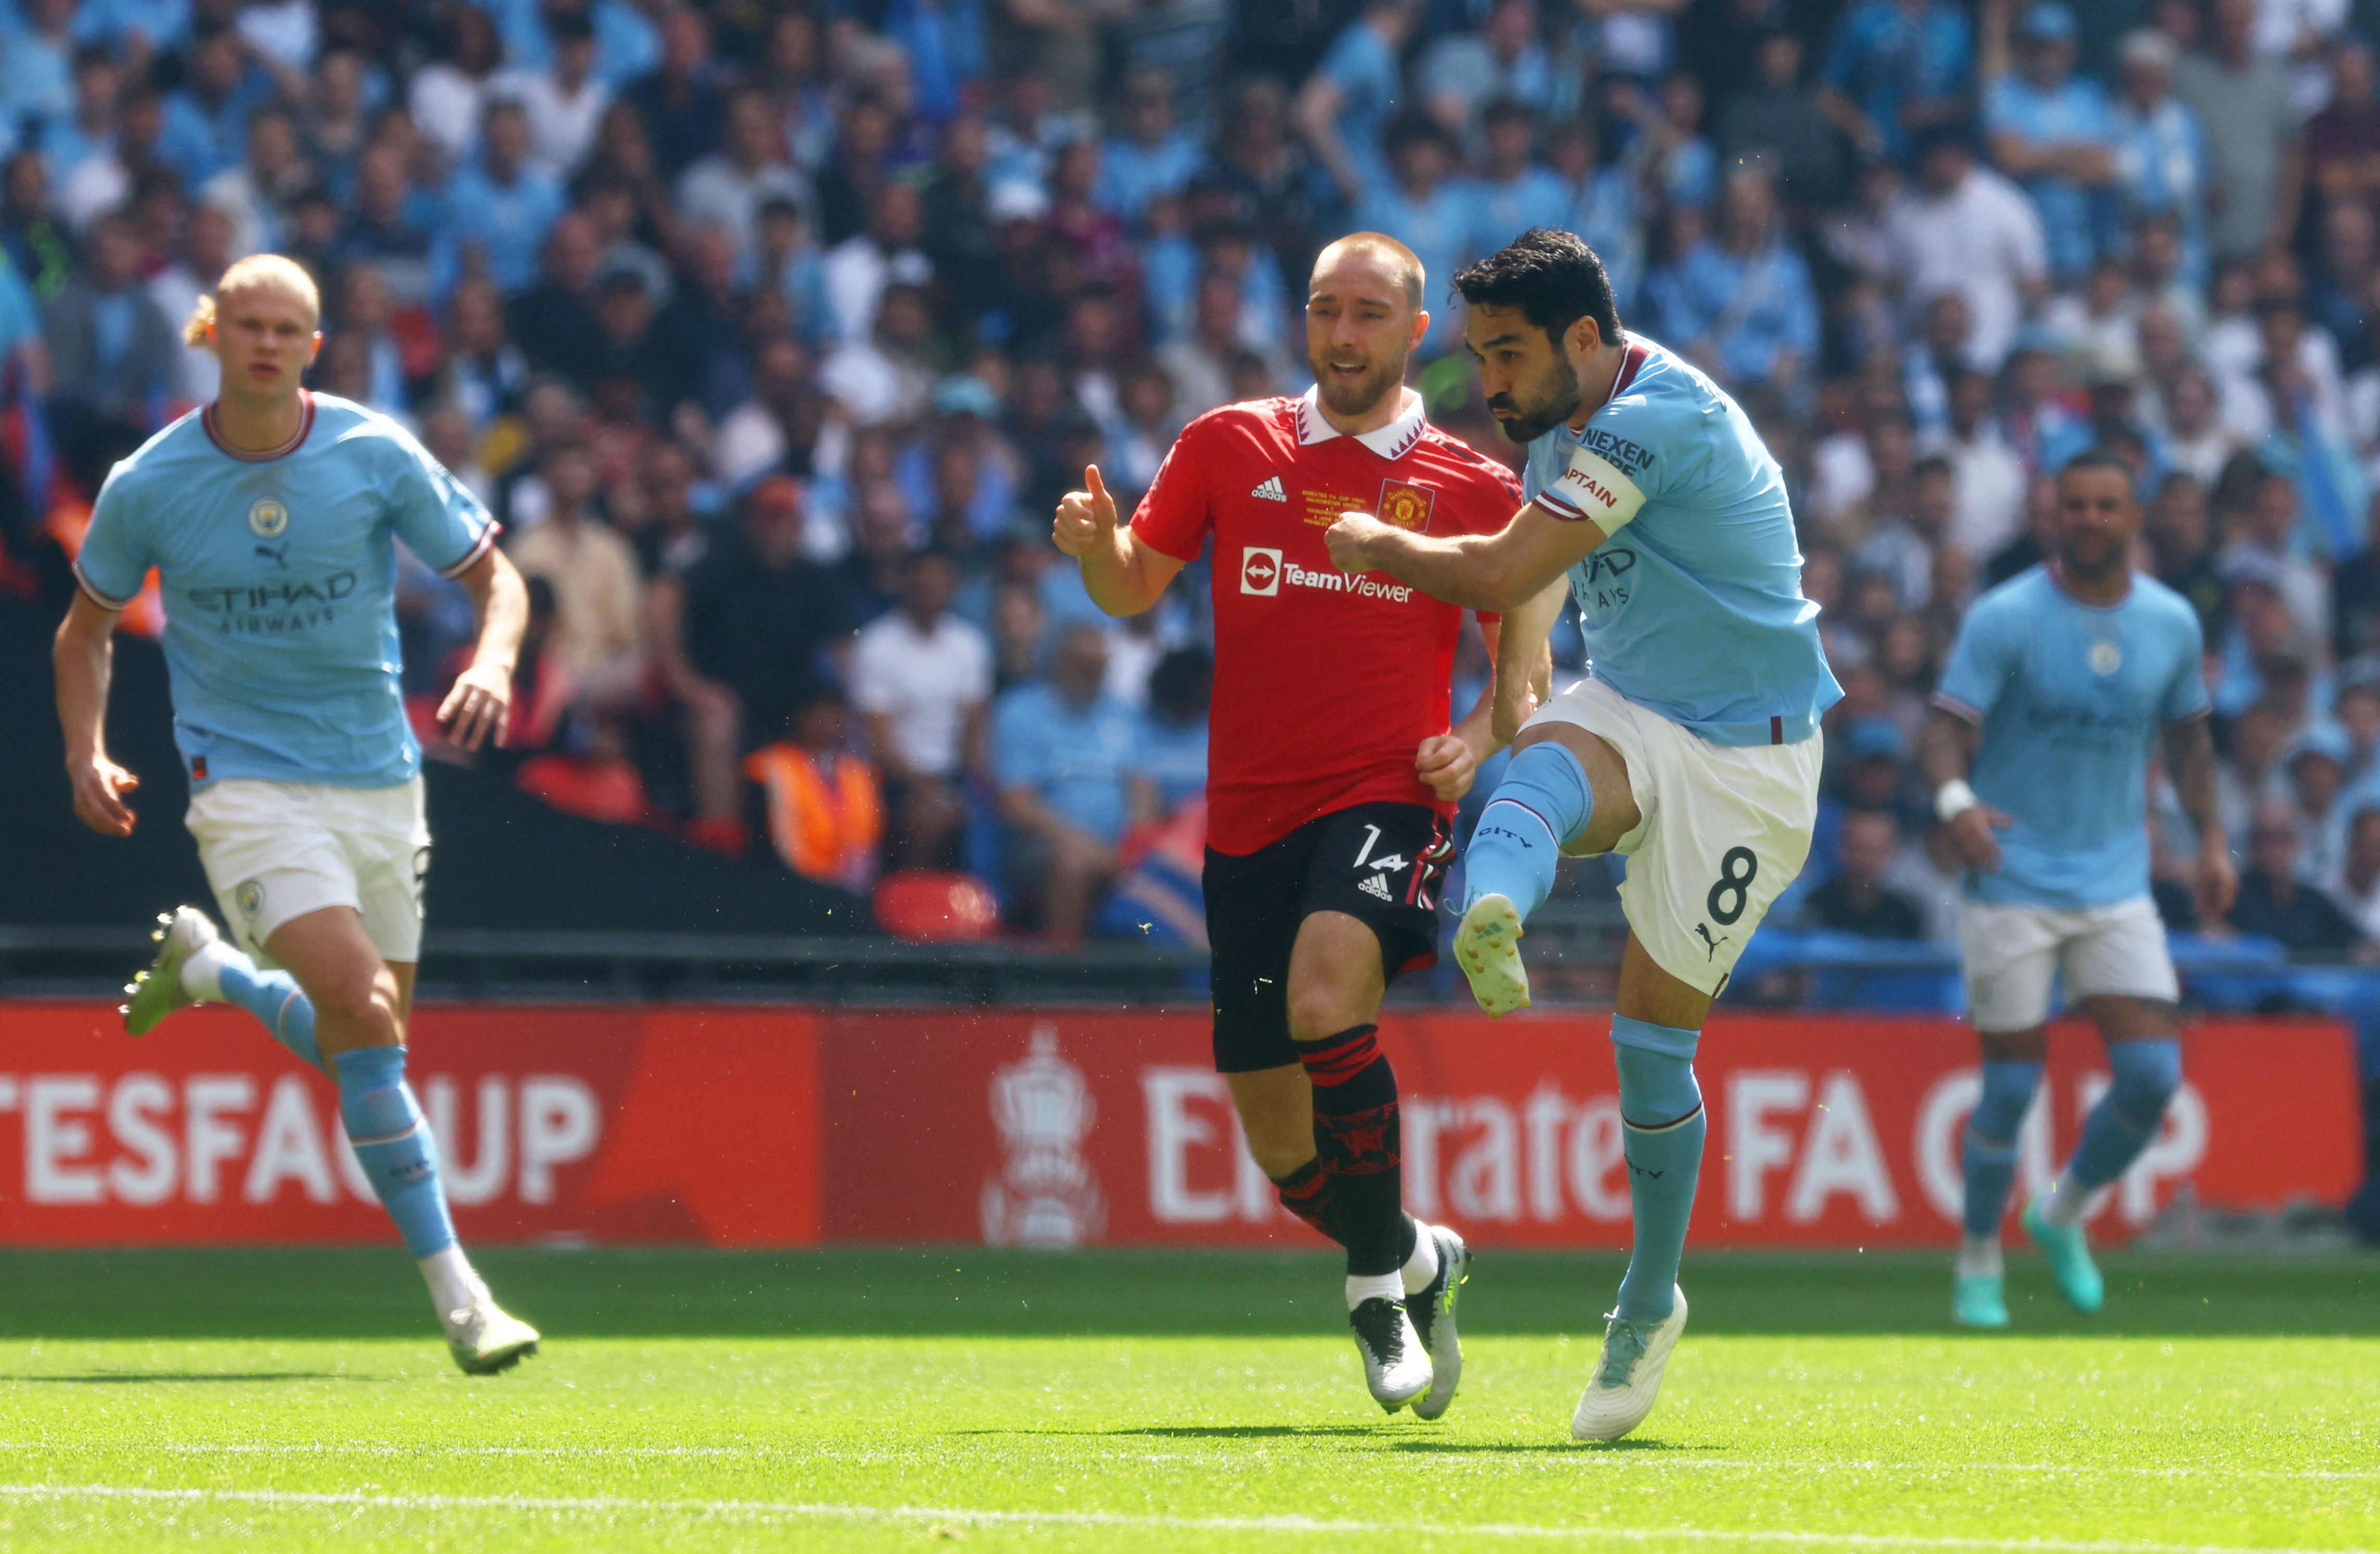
114 555
1978 668
1618 465
2185 694
1175 513
1346 66
437 518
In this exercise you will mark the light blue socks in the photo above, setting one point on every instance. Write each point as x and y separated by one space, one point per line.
2147 1075
276 1000
1661 1125
1543 801
1988 1153
393 1142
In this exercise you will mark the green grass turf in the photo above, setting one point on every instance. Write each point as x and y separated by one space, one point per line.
904 1400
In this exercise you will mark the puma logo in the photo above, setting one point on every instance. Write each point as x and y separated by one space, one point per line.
278 556
1704 929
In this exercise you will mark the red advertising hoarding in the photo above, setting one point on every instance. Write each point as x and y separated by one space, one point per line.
748 1127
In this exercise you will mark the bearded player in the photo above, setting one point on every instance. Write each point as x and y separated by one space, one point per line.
271 516
1331 775
2061 685
1692 749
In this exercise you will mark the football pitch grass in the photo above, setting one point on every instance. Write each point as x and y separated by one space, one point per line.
692 1401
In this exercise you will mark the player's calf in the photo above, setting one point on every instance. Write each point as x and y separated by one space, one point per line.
1987 1161
2147 1074
391 1142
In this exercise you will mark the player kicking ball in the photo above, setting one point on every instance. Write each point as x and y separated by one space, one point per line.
1332 773
270 516
1693 749
2057 690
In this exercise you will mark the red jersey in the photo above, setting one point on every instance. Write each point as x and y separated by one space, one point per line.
1325 684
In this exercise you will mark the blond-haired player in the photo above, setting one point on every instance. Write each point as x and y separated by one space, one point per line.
271 516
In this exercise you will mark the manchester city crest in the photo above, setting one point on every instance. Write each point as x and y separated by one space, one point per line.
249 897
2106 658
268 518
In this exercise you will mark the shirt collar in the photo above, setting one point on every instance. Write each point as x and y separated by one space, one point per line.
1391 442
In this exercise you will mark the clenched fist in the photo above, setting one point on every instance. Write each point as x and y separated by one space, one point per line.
1350 540
1085 518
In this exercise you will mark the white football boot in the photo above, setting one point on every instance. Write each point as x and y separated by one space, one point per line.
158 991
1396 1363
1628 1375
1488 948
485 1338
1432 1313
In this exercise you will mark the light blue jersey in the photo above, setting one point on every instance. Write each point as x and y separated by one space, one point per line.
1692 606
279 577
2071 698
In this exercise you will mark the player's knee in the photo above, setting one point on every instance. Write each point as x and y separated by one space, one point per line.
1323 1008
2147 1075
1278 1148
357 1002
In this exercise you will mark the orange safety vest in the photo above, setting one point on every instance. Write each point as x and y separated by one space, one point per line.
824 827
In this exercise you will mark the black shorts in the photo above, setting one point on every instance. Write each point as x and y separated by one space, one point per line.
1377 863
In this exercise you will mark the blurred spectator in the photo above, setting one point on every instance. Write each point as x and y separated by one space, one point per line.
1419 202
1062 754
2317 772
1967 229
1464 71
1345 108
564 101
1741 305
2356 885
820 805
921 679
597 591
1779 121
498 209
1172 751
1897 69
113 357
727 188
2277 904
1513 192
740 639
1856 900
2054 134
1152 157
2242 100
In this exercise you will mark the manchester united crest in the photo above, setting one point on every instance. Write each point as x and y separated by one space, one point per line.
1406 504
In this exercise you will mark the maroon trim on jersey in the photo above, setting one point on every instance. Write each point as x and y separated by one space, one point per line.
92 592
1632 362
207 420
1775 729
478 548
1956 707
1313 428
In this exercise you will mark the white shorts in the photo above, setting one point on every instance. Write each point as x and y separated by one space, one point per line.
2012 952
275 850
1725 828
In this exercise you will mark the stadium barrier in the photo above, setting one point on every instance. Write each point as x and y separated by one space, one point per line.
791 1127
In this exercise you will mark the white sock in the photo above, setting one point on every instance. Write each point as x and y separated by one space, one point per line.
203 971
1361 1287
1979 1257
1422 1267
2063 1205
454 1285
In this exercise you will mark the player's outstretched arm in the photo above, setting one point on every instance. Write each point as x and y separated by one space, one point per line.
1122 575
1946 751
1501 572
2190 765
481 705
83 655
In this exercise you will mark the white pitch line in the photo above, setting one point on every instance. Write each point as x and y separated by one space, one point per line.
1609 1461
795 1509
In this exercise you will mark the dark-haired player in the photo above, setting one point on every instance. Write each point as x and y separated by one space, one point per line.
1332 770
2058 686
1692 749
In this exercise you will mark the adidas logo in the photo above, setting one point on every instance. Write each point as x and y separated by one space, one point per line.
1376 884
1271 491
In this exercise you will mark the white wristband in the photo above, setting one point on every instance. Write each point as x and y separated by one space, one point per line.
1954 799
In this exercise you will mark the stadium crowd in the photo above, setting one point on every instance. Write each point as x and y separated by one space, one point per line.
773 334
